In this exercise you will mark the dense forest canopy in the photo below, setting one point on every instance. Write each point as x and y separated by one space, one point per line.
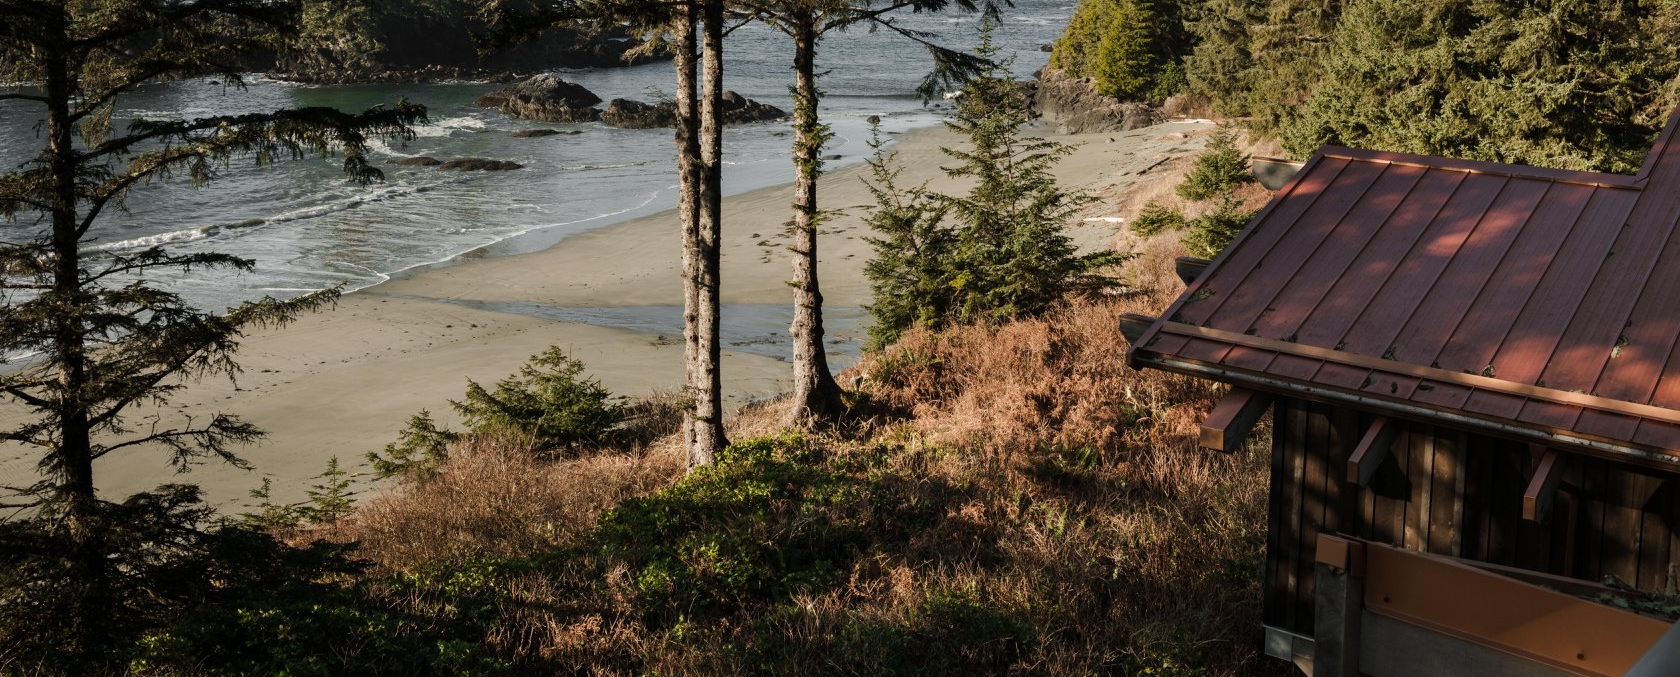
1578 84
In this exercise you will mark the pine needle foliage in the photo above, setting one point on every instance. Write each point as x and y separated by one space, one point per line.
1003 252
550 405
108 349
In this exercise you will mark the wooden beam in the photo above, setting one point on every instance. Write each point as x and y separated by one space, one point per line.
1372 449
1228 426
1190 267
1537 499
1132 326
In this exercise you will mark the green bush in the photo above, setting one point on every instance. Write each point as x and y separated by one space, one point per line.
771 517
1220 168
1155 218
1210 233
549 402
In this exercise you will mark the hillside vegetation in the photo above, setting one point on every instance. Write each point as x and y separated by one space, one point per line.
1553 82
1018 502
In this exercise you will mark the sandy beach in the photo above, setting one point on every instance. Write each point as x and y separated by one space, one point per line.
342 383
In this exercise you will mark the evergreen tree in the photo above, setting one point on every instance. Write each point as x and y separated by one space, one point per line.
996 253
111 347
816 396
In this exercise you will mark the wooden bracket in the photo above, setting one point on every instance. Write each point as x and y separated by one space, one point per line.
1537 499
1132 326
1372 449
1229 424
1189 268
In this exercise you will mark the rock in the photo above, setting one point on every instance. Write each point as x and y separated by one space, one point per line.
873 119
1077 108
544 98
737 109
538 133
478 164
628 114
420 161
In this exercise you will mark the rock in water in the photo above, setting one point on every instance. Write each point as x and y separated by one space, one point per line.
544 98
628 114
1077 108
737 109
477 164
536 133
419 161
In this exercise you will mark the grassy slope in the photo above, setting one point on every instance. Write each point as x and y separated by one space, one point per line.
1019 501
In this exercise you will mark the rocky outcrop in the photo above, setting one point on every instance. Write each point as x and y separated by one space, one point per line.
438 45
470 164
1075 107
539 133
477 164
628 114
545 98
737 109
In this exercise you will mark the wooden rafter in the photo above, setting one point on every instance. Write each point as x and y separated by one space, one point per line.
1537 498
1228 426
1372 449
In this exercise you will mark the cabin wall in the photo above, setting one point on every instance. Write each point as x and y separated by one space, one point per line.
1450 492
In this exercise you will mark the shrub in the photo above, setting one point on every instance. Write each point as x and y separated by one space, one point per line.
549 401
1155 218
1220 168
1210 233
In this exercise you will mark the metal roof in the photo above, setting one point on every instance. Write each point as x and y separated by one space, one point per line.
1531 302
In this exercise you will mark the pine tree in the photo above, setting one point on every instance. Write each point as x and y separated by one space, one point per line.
1014 258
996 253
816 395
111 347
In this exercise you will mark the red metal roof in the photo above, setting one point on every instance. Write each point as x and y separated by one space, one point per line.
1536 302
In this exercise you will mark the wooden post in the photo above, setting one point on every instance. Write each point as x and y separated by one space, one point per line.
1338 602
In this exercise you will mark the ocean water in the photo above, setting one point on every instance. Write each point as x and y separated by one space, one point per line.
309 229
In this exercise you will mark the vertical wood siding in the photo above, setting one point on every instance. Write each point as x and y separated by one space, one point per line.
1449 492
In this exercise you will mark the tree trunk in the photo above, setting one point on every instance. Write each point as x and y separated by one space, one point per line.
816 397
74 455
702 427
708 388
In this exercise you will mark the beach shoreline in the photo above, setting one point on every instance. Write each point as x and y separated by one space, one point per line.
343 382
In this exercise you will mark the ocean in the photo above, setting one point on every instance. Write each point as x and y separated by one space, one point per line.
308 229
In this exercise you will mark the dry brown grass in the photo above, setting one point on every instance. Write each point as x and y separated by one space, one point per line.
1064 523
494 498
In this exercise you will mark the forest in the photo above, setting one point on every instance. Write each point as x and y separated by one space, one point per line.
1555 83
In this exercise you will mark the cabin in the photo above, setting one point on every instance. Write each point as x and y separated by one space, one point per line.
1473 376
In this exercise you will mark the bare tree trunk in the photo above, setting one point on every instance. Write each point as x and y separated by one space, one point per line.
688 204
708 387
816 397
698 144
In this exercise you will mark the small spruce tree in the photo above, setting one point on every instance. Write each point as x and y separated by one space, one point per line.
998 252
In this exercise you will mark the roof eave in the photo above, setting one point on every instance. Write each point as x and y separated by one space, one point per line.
1665 460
